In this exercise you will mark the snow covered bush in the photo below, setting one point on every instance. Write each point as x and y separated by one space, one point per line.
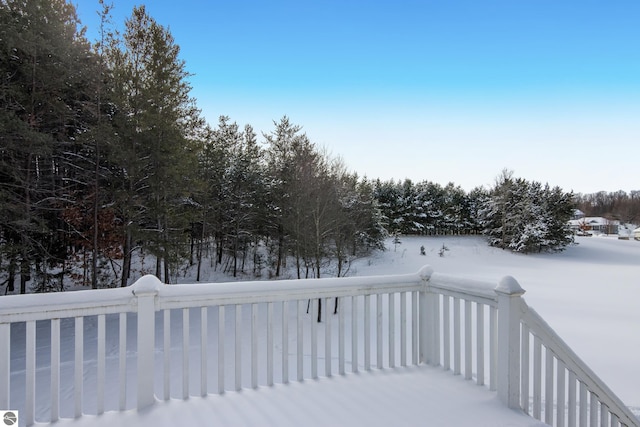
527 217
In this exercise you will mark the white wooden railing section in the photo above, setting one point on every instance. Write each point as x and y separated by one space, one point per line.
198 339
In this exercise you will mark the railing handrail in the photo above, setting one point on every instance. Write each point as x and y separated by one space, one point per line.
462 287
21 308
196 295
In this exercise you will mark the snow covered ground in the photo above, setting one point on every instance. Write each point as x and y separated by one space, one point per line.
589 294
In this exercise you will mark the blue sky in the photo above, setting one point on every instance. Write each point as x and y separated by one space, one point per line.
446 91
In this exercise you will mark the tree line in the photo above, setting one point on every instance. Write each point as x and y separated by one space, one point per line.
427 208
104 155
515 214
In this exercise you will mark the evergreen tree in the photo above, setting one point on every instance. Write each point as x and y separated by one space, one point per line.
241 188
525 217
430 201
211 163
155 155
559 207
280 172
476 198
47 72
387 194
89 220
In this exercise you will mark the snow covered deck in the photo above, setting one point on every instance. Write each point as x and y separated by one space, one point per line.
408 396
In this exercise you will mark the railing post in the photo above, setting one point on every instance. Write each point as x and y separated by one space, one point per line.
509 307
426 328
145 290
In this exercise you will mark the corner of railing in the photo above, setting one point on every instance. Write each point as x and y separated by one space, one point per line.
429 320
145 290
509 286
425 273
509 294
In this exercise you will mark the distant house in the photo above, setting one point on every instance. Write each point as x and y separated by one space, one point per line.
577 214
594 225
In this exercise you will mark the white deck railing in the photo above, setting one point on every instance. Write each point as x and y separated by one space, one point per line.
60 353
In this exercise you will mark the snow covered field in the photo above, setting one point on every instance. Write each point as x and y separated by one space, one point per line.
589 294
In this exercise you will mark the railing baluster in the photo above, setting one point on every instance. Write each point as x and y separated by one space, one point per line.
537 378
456 336
221 339
446 332
100 374
5 364
593 409
392 330
615 421
414 328
55 370
480 343
285 342
122 361
584 406
254 345
30 373
78 365
604 415
354 334
300 342
548 386
571 409
379 360
524 374
314 338
493 348
166 346
467 341
238 344
270 344
327 338
204 374
185 353
424 328
435 298
341 336
561 393
367 332
403 329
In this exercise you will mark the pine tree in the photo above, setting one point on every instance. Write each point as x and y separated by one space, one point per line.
155 155
47 72
281 216
89 219
526 217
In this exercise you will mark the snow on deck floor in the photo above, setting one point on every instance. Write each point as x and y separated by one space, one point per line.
416 395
